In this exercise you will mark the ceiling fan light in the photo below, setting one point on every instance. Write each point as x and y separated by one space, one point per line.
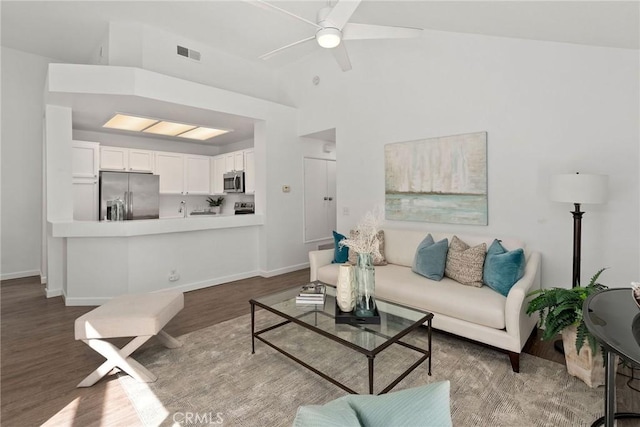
328 37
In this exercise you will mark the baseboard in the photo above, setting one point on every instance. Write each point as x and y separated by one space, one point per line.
19 274
50 293
80 301
206 283
284 270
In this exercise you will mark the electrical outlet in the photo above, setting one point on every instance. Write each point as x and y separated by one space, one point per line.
174 276
345 211
286 189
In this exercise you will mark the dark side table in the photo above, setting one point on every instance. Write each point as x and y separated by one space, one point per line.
614 319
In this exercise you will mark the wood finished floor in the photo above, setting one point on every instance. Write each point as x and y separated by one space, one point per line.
41 363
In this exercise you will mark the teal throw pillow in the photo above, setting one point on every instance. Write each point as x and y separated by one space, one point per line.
341 253
337 413
502 268
431 258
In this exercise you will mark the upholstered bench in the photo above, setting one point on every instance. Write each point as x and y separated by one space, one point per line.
141 316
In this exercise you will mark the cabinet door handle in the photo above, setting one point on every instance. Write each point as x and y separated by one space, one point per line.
330 198
326 198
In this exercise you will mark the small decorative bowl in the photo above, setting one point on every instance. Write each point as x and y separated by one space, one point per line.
635 292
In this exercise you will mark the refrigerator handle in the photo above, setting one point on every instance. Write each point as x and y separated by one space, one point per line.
130 204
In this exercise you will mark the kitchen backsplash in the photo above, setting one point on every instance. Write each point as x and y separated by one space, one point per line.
170 203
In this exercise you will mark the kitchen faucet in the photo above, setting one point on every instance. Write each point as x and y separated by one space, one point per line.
183 208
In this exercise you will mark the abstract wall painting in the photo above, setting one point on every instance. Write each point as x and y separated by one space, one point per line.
440 179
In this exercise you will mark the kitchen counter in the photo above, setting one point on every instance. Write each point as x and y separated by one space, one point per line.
151 226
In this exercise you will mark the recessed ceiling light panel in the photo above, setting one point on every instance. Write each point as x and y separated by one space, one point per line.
202 133
126 122
169 128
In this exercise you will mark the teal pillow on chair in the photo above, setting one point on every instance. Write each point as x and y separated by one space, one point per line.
337 413
428 405
502 268
340 253
431 258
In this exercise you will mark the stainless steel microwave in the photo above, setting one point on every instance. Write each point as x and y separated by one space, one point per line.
234 182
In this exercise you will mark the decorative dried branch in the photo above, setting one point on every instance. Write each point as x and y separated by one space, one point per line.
365 237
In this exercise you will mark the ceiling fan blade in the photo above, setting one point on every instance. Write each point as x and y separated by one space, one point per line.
280 49
341 55
341 12
286 12
354 31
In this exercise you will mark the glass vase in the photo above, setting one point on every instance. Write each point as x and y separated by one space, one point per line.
365 286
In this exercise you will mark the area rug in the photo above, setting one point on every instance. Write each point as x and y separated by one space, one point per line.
214 379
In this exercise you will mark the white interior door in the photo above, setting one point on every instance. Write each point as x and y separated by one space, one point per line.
319 199
331 204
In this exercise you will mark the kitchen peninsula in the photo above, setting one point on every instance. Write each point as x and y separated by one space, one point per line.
89 262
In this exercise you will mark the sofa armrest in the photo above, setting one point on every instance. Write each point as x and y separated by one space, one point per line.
518 323
317 259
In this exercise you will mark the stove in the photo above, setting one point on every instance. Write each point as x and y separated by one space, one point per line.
243 208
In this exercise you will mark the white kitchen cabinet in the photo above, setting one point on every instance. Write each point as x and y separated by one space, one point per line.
171 168
114 158
319 199
183 173
218 169
249 172
126 159
85 199
238 160
197 171
85 158
234 161
84 172
141 160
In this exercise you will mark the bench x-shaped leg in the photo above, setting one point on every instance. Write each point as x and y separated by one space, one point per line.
120 358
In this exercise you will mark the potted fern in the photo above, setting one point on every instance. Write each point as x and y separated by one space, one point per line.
560 311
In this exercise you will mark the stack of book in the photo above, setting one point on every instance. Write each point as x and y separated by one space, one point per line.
311 293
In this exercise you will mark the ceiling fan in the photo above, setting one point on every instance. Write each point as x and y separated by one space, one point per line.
332 27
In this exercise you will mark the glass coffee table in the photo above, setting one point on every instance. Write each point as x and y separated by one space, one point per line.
396 321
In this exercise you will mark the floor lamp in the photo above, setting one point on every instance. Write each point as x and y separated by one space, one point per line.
577 188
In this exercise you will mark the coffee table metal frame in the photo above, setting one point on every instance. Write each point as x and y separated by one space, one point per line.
370 354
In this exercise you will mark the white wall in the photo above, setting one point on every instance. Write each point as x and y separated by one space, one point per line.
547 107
154 49
23 78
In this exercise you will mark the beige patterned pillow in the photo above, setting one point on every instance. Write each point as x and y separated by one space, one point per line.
464 264
353 255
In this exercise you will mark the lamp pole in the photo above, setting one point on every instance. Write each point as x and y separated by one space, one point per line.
577 241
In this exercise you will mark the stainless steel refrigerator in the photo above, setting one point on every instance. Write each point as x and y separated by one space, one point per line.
138 191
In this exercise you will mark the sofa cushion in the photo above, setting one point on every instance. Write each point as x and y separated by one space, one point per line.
399 284
377 260
502 268
430 258
340 252
464 263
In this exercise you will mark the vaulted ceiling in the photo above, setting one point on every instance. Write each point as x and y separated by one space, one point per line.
70 30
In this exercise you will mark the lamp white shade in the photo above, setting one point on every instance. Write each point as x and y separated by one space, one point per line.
579 188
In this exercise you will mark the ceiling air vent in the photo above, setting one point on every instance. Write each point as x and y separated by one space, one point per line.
188 53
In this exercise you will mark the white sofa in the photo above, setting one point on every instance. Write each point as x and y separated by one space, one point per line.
480 314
